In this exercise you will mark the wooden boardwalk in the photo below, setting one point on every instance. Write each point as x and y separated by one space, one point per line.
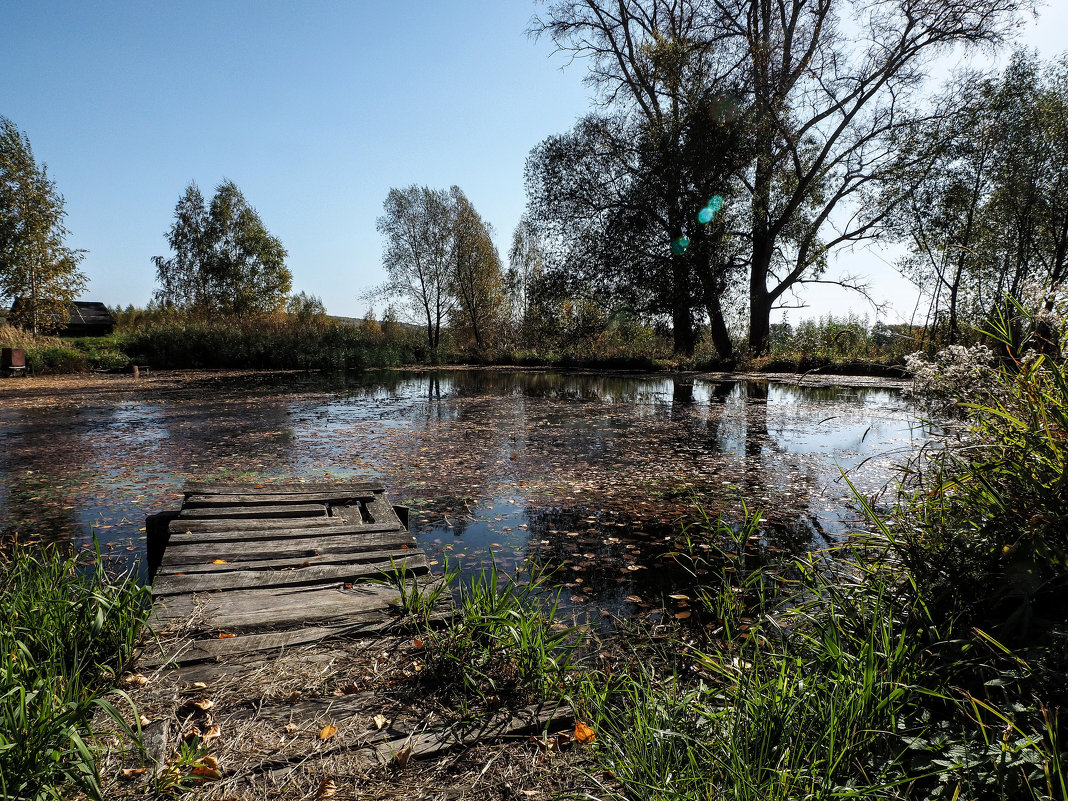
245 577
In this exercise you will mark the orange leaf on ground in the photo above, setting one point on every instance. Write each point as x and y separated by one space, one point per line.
328 732
218 561
205 772
584 734
226 636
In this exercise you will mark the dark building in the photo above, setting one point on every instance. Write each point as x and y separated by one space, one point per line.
85 319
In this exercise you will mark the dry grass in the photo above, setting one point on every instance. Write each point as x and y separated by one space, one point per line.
11 337
266 720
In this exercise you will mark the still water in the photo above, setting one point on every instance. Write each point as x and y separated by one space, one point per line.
591 474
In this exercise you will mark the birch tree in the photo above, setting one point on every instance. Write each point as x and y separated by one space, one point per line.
36 267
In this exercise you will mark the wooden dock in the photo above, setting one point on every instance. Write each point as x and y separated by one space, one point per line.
286 581
279 565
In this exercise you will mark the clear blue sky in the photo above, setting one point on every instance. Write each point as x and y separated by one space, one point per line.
315 109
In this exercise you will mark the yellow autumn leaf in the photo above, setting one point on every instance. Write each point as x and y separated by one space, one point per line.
218 561
328 732
381 721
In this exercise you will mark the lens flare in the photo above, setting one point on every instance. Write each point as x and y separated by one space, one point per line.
705 215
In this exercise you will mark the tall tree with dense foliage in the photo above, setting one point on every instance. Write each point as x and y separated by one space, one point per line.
985 208
477 280
417 223
635 214
225 260
828 84
35 264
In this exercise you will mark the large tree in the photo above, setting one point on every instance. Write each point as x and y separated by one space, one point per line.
985 206
828 83
225 260
35 264
477 280
635 213
417 223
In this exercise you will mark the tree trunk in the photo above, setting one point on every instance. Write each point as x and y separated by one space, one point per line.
721 338
681 314
760 300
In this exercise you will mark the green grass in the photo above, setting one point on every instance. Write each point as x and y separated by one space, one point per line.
69 629
506 644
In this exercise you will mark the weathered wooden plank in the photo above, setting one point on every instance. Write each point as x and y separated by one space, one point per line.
348 558
212 488
428 744
250 512
258 526
247 610
190 536
274 499
201 553
380 510
228 581
191 651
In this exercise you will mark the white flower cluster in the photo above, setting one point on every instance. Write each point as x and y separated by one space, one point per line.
957 375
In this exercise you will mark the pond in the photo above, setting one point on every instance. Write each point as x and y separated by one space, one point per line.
589 474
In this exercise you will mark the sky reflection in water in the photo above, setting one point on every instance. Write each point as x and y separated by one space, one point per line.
589 474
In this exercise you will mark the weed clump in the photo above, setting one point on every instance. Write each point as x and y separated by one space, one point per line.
69 629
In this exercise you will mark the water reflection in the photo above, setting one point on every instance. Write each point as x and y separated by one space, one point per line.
524 464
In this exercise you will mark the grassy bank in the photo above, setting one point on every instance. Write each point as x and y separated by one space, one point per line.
68 631
927 660
847 346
